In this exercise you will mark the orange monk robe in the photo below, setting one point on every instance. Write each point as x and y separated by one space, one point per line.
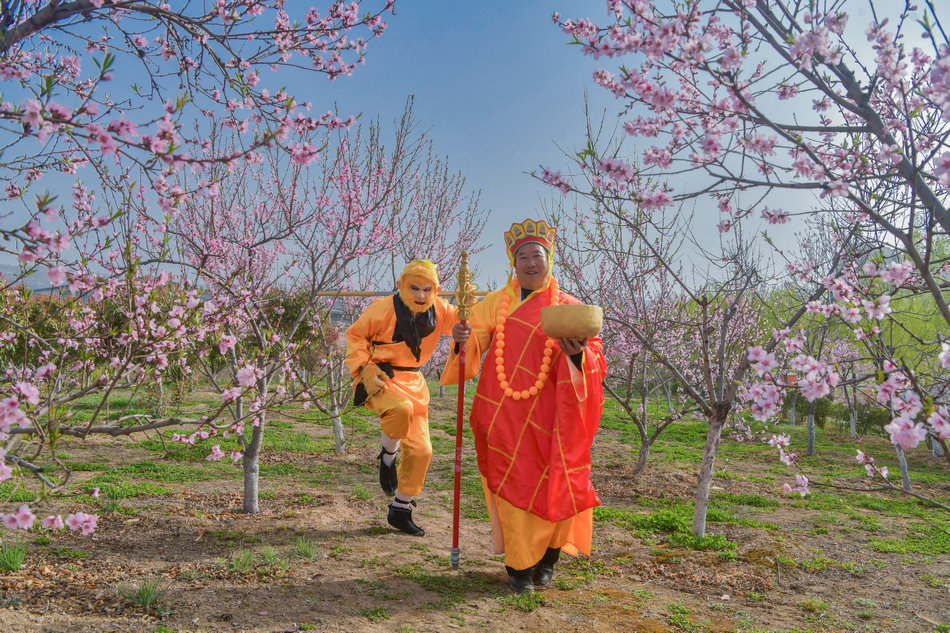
403 406
533 454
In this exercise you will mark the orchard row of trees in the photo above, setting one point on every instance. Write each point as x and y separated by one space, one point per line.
209 210
745 118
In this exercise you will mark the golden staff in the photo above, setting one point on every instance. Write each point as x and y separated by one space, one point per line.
465 296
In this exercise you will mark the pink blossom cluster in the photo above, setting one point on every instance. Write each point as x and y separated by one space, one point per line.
819 378
940 422
940 81
905 429
895 273
762 362
868 462
192 438
10 415
891 390
800 487
781 442
905 432
776 216
556 180
5 471
247 376
216 453
23 519
80 521
739 430
765 399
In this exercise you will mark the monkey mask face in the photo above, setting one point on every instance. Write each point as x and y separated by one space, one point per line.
418 285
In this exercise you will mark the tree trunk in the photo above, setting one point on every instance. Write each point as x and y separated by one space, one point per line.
642 456
252 453
252 469
902 460
334 387
811 429
852 403
706 474
441 391
937 449
791 418
338 429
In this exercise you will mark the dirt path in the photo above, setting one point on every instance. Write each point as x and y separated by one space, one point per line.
224 571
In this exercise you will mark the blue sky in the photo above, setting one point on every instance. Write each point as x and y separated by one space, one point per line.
495 82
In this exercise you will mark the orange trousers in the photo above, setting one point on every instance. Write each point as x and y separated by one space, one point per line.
403 409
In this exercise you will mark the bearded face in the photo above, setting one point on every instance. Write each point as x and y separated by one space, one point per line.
417 293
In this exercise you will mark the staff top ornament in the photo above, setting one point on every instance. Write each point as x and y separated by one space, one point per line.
465 290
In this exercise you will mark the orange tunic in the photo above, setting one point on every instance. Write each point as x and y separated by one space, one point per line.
534 454
403 406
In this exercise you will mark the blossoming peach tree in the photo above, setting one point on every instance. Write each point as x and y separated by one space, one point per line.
753 113
118 103
697 319
273 247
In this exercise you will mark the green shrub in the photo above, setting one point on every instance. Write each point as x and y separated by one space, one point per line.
823 407
710 541
871 418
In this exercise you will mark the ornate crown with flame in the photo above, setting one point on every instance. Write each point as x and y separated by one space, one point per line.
522 233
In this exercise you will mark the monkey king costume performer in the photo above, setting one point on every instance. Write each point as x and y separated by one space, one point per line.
534 417
385 348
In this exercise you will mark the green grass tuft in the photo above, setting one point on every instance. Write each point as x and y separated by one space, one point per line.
305 548
12 554
527 602
147 593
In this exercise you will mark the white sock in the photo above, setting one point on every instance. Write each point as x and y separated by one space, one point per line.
399 503
391 446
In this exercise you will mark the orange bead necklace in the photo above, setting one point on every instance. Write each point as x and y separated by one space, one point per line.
545 371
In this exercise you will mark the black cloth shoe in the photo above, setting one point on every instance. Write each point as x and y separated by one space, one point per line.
520 579
544 570
388 480
401 519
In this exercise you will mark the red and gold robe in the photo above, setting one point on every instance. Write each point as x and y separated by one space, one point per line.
533 454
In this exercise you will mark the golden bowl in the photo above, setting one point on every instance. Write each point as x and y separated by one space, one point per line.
572 321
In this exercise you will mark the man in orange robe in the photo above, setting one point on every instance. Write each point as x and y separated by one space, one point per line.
385 348
536 410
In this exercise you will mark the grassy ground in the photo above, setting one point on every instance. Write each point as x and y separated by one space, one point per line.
174 553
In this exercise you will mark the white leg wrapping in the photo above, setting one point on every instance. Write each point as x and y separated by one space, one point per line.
391 446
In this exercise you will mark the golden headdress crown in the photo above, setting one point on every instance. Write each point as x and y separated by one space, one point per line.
522 233
423 269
